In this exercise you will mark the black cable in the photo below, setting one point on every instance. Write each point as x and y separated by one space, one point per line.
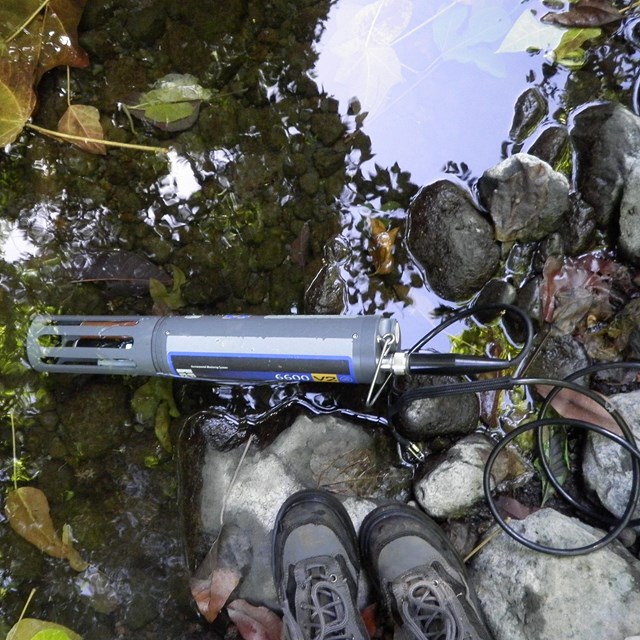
622 522
507 383
586 509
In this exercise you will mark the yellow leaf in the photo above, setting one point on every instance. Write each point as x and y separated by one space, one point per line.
84 121
32 629
27 509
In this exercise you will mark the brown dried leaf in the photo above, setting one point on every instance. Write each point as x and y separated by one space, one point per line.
27 509
84 121
383 247
255 623
585 14
221 571
574 405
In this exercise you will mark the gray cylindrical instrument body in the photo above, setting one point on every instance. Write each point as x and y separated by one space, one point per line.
249 349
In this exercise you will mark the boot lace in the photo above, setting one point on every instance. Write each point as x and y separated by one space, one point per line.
428 610
324 612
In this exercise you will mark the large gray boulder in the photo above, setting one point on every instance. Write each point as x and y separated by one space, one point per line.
525 197
528 595
452 240
606 467
606 139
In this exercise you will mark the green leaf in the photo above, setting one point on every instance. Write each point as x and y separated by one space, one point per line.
32 629
528 33
153 402
173 104
569 53
166 300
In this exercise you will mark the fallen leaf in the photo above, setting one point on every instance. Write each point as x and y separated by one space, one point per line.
383 247
27 509
575 405
173 104
584 15
369 618
32 629
17 97
514 508
221 571
255 623
83 121
527 33
60 43
569 53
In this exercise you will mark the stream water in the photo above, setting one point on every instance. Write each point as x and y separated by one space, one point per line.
281 162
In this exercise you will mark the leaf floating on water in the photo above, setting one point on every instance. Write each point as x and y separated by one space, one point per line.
27 509
60 45
383 247
569 53
173 104
17 97
221 571
32 629
528 33
585 14
84 121
254 623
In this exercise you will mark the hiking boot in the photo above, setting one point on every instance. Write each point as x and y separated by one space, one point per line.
420 577
316 568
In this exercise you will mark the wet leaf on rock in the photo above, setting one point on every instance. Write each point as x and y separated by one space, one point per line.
32 629
84 121
575 405
254 623
27 509
173 104
574 289
221 571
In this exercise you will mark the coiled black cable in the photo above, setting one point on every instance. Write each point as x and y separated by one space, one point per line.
509 382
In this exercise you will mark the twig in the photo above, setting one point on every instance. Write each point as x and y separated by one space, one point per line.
233 480
109 143
15 452
26 604
484 542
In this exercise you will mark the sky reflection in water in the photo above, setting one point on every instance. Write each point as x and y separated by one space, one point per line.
429 78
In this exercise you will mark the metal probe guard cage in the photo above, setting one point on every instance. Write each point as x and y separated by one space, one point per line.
247 349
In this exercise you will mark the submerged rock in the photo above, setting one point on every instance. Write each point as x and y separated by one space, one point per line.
528 595
526 198
452 239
